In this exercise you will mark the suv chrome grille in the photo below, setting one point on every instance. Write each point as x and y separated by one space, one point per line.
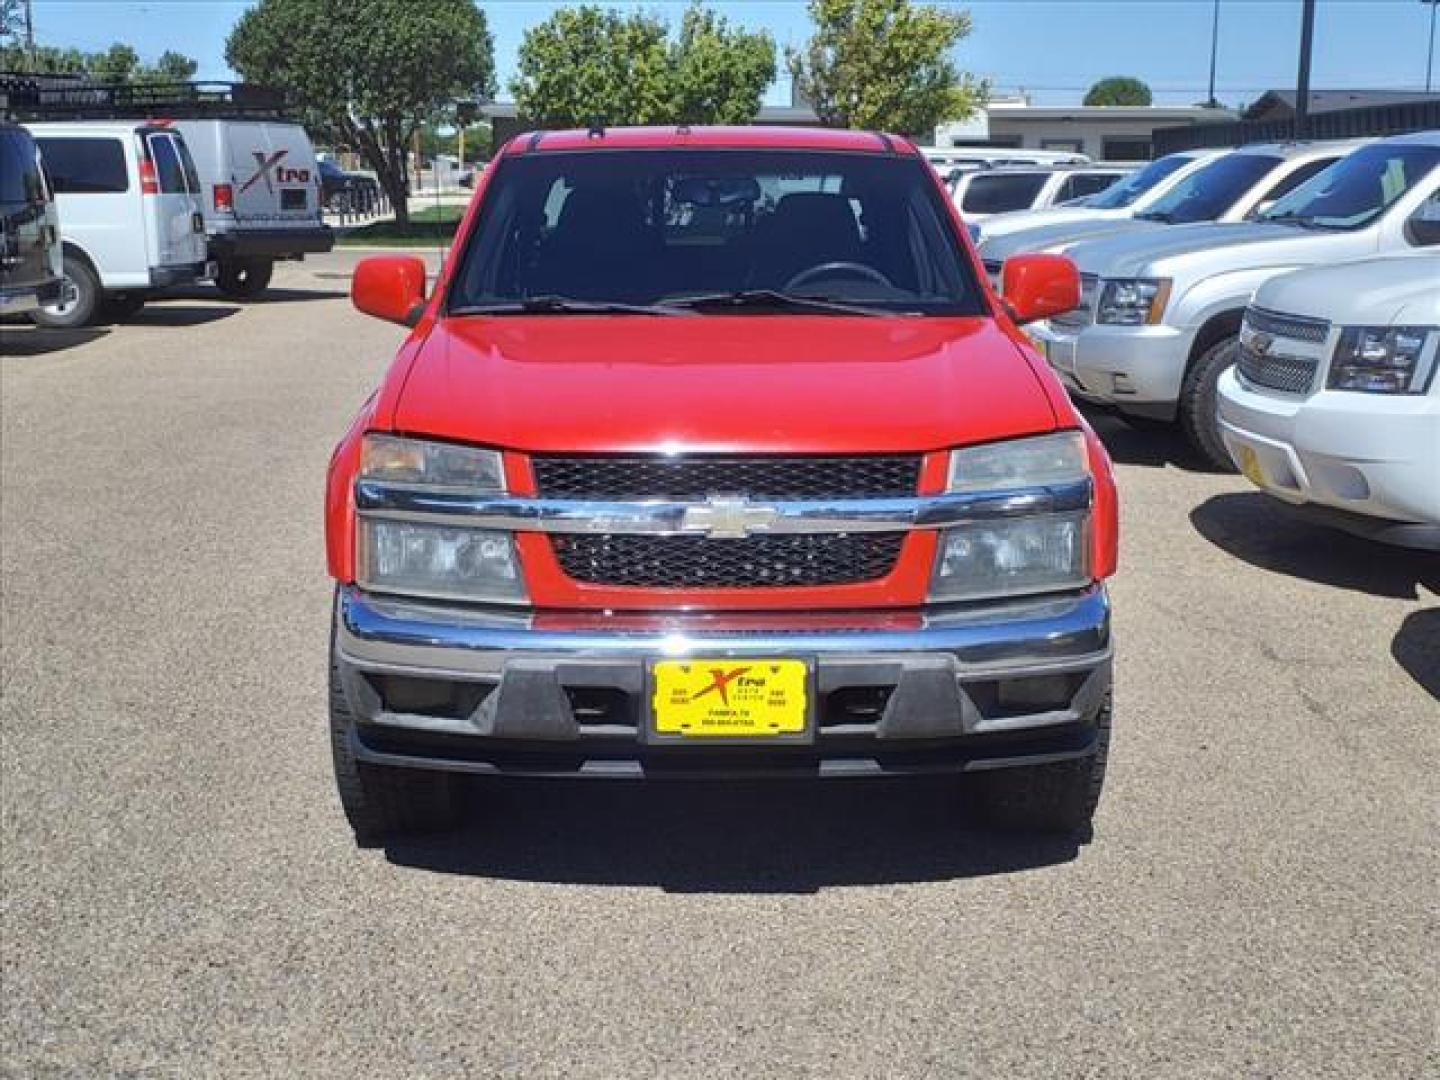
1291 326
690 562
1280 352
694 479
1290 374
1083 315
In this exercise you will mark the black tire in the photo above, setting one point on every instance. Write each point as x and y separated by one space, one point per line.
1199 405
126 305
244 279
380 802
80 303
1059 797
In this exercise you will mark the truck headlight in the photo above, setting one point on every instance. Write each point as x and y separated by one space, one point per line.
413 558
1384 359
1132 301
1028 553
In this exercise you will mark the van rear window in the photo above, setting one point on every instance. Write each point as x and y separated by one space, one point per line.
168 168
94 166
20 180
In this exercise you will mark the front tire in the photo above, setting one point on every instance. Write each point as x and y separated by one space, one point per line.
381 802
1200 405
1059 797
244 279
80 298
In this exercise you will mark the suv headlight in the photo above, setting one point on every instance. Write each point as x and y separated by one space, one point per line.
1384 359
414 558
1132 301
1027 553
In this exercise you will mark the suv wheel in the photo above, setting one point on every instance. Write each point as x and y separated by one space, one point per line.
1199 404
1060 797
381 802
244 279
80 297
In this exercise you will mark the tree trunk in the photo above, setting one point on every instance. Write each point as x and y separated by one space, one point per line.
388 161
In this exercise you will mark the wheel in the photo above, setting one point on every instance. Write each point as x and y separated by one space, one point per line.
80 296
1059 797
381 802
244 279
1199 409
125 305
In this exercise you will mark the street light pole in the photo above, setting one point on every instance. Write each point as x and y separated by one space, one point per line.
1430 56
1215 39
1302 87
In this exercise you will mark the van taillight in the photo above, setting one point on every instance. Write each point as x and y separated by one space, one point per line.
149 185
224 199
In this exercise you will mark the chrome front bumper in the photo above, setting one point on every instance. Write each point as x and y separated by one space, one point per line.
1011 683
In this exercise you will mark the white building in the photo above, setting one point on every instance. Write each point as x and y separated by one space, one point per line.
1105 132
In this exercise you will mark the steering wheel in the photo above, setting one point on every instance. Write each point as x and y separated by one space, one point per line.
828 269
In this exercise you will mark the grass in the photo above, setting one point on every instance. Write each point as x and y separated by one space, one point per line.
430 227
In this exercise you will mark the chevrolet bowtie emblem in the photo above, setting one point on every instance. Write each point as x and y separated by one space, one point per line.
727 518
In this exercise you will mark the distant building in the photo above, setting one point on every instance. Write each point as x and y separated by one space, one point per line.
1105 132
1280 104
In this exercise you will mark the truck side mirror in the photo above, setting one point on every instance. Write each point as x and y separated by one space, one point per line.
390 287
1039 286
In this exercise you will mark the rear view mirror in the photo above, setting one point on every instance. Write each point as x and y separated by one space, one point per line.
1039 286
713 191
390 287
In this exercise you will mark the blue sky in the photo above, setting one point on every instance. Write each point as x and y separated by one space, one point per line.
1053 48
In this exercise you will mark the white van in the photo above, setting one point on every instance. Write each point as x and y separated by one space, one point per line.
260 194
130 222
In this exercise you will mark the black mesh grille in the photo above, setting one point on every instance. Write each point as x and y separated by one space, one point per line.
694 479
1291 326
693 562
1291 374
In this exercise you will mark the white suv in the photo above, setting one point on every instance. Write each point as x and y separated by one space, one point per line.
1160 312
1334 404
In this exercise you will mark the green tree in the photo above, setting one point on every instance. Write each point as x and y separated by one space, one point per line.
1118 90
585 64
884 65
12 22
118 64
718 74
369 73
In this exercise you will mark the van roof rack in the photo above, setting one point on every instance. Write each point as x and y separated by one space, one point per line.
25 96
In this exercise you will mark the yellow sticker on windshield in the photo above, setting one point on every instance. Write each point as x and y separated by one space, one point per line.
1392 184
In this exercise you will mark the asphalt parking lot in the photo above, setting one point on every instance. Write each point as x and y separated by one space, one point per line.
181 895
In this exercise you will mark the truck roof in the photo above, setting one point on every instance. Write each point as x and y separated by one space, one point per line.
653 138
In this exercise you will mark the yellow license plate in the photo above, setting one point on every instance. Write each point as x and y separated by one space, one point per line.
1250 466
730 699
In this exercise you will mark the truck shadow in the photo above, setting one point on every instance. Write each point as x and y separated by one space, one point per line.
775 837
1149 447
1260 530
1416 649
159 313
22 339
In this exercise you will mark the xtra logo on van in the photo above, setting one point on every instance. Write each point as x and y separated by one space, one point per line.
272 172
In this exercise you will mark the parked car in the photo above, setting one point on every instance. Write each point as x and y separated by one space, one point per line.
130 222
260 198
30 255
1234 186
945 157
1125 197
979 193
604 518
347 192
1334 405
1161 312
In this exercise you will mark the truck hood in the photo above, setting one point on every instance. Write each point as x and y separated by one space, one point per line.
723 383
1004 225
1395 289
1060 236
1221 247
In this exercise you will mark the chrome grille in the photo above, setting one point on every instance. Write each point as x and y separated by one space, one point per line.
1290 326
1276 371
690 562
1083 315
697 478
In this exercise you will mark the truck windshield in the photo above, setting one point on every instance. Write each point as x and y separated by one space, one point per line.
868 232
1126 191
1209 191
1357 189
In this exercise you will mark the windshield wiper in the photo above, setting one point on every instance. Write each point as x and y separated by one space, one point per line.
1303 221
771 298
551 304
1157 215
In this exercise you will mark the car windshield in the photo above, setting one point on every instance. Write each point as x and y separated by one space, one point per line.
868 232
1127 190
1210 191
1357 189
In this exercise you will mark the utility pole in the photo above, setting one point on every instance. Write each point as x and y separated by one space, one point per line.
1302 88
30 35
1215 40
1430 56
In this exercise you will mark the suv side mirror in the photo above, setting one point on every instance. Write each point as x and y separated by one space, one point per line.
1039 286
390 287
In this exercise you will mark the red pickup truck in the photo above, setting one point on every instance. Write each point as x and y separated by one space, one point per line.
712 454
